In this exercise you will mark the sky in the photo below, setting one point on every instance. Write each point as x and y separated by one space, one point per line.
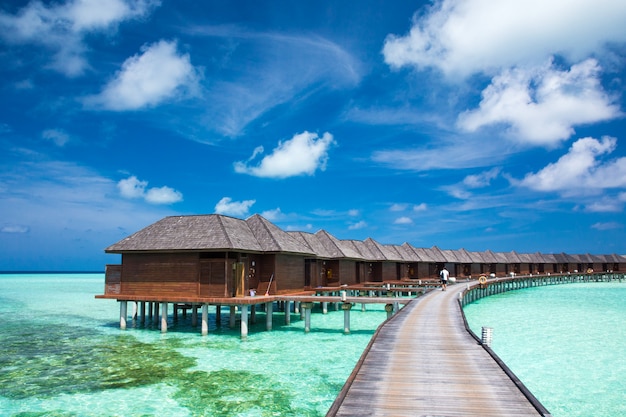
468 124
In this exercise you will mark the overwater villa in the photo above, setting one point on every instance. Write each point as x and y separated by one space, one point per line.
191 257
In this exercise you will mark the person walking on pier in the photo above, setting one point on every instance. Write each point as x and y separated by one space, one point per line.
444 274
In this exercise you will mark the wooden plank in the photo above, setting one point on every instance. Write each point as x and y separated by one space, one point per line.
424 362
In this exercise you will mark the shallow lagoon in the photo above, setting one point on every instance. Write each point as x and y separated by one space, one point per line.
63 354
565 342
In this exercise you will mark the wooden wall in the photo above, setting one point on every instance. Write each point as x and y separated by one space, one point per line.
289 272
160 274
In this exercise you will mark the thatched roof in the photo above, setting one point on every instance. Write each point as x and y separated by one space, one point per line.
179 233
312 242
334 246
273 239
216 232
415 257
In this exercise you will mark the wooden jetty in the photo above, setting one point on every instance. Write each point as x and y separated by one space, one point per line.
424 362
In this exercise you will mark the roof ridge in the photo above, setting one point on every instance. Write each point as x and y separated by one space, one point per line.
221 223
266 227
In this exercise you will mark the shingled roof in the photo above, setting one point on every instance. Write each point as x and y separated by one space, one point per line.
179 233
273 239
216 232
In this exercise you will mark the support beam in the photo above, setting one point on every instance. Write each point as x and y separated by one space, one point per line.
269 309
194 314
205 319
306 309
233 317
244 321
123 314
288 312
134 313
164 317
142 309
389 310
346 317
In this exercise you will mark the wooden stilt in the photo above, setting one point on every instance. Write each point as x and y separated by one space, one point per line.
205 319
194 315
389 310
134 314
156 313
164 317
123 314
253 313
233 317
288 312
218 315
269 308
346 317
306 309
142 314
244 321
324 307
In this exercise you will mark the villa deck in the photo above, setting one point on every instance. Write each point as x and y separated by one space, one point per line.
423 362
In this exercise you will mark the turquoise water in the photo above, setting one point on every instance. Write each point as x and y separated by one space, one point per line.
567 343
63 354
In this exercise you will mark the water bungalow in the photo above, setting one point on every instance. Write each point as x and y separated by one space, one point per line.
221 256
214 259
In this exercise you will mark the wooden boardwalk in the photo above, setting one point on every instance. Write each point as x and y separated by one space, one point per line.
423 362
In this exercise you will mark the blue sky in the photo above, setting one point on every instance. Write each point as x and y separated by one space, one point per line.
462 124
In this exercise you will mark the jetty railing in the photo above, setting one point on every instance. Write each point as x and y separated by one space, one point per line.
499 285
494 286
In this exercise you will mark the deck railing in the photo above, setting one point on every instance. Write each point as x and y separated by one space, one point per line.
500 285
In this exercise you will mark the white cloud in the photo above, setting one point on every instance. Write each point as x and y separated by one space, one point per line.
273 215
482 179
132 187
266 69
605 205
398 207
62 27
353 212
542 105
463 37
358 225
14 228
163 195
450 152
606 226
64 212
403 220
303 154
420 207
158 74
580 170
59 137
233 208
